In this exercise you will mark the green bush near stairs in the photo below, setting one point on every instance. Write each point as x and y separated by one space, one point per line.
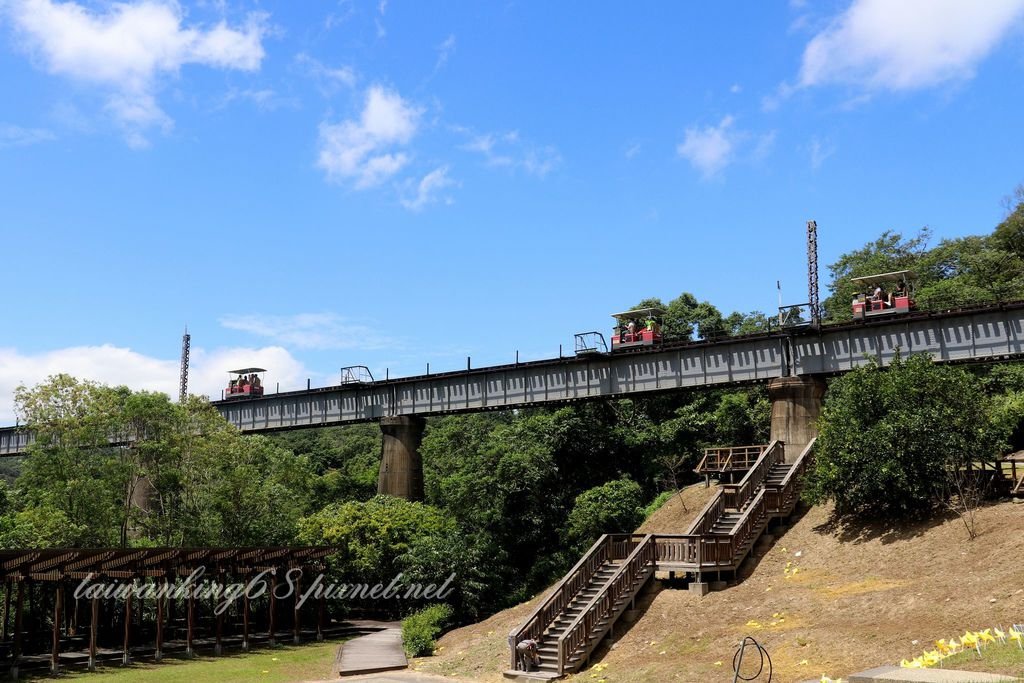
421 628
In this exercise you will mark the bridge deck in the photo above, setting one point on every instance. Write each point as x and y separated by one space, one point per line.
981 334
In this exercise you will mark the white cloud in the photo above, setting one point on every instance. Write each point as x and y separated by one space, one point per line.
115 365
711 148
509 150
363 150
319 331
328 79
735 88
265 99
633 150
16 136
126 49
885 45
427 189
444 51
820 150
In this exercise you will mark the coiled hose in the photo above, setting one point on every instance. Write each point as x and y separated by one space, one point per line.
737 661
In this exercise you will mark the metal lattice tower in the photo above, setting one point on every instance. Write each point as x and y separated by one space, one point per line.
186 341
812 273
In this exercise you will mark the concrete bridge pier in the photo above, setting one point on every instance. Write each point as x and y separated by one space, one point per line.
796 405
401 470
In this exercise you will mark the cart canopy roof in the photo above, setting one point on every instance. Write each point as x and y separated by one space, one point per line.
638 313
882 278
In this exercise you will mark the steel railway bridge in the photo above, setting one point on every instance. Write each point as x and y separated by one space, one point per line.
794 363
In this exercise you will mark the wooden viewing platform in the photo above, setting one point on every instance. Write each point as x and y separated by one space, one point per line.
727 461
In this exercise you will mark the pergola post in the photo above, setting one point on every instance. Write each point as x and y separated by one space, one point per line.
160 598
58 608
73 624
16 650
94 625
272 601
191 621
296 622
7 608
245 621
218 644
126 657
321 614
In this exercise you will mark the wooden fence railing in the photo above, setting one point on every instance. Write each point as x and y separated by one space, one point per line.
561 595
781 499
736 496
723 459
577 636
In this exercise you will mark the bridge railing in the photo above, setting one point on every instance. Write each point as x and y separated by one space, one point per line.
736 496
602 606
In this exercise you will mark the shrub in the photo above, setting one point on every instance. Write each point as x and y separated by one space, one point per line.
421 628
655 505
614 507
889 439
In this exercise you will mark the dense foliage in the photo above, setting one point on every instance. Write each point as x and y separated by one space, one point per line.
888 438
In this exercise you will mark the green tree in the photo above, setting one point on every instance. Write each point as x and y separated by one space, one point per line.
373 537
888 253
612 508
888 439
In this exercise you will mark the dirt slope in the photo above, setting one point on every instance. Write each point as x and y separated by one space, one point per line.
855 600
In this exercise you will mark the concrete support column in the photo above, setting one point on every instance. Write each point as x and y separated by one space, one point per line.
401 470
796 405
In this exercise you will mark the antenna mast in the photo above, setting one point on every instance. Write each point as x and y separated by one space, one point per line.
812 274
186 341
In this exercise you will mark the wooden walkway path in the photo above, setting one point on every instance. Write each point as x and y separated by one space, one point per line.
381 651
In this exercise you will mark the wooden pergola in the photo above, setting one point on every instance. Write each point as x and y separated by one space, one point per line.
49 578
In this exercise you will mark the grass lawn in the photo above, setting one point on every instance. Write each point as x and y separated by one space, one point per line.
1003 659
281 664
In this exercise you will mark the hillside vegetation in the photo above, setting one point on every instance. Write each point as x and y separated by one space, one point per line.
852 598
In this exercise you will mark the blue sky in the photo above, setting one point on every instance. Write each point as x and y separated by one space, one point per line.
319 184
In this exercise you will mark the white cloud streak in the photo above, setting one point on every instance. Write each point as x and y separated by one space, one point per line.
428 189
444 51
328 79
16 136
364 150
905 45
317 331
820 150
508 150
126 49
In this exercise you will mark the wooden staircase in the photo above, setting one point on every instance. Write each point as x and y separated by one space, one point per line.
582 608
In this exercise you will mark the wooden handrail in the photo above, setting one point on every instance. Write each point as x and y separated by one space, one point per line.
560 596
601 605
749 523
726 458
738 495
708 516
782 496
800 463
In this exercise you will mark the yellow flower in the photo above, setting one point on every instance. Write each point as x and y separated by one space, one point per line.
718 663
